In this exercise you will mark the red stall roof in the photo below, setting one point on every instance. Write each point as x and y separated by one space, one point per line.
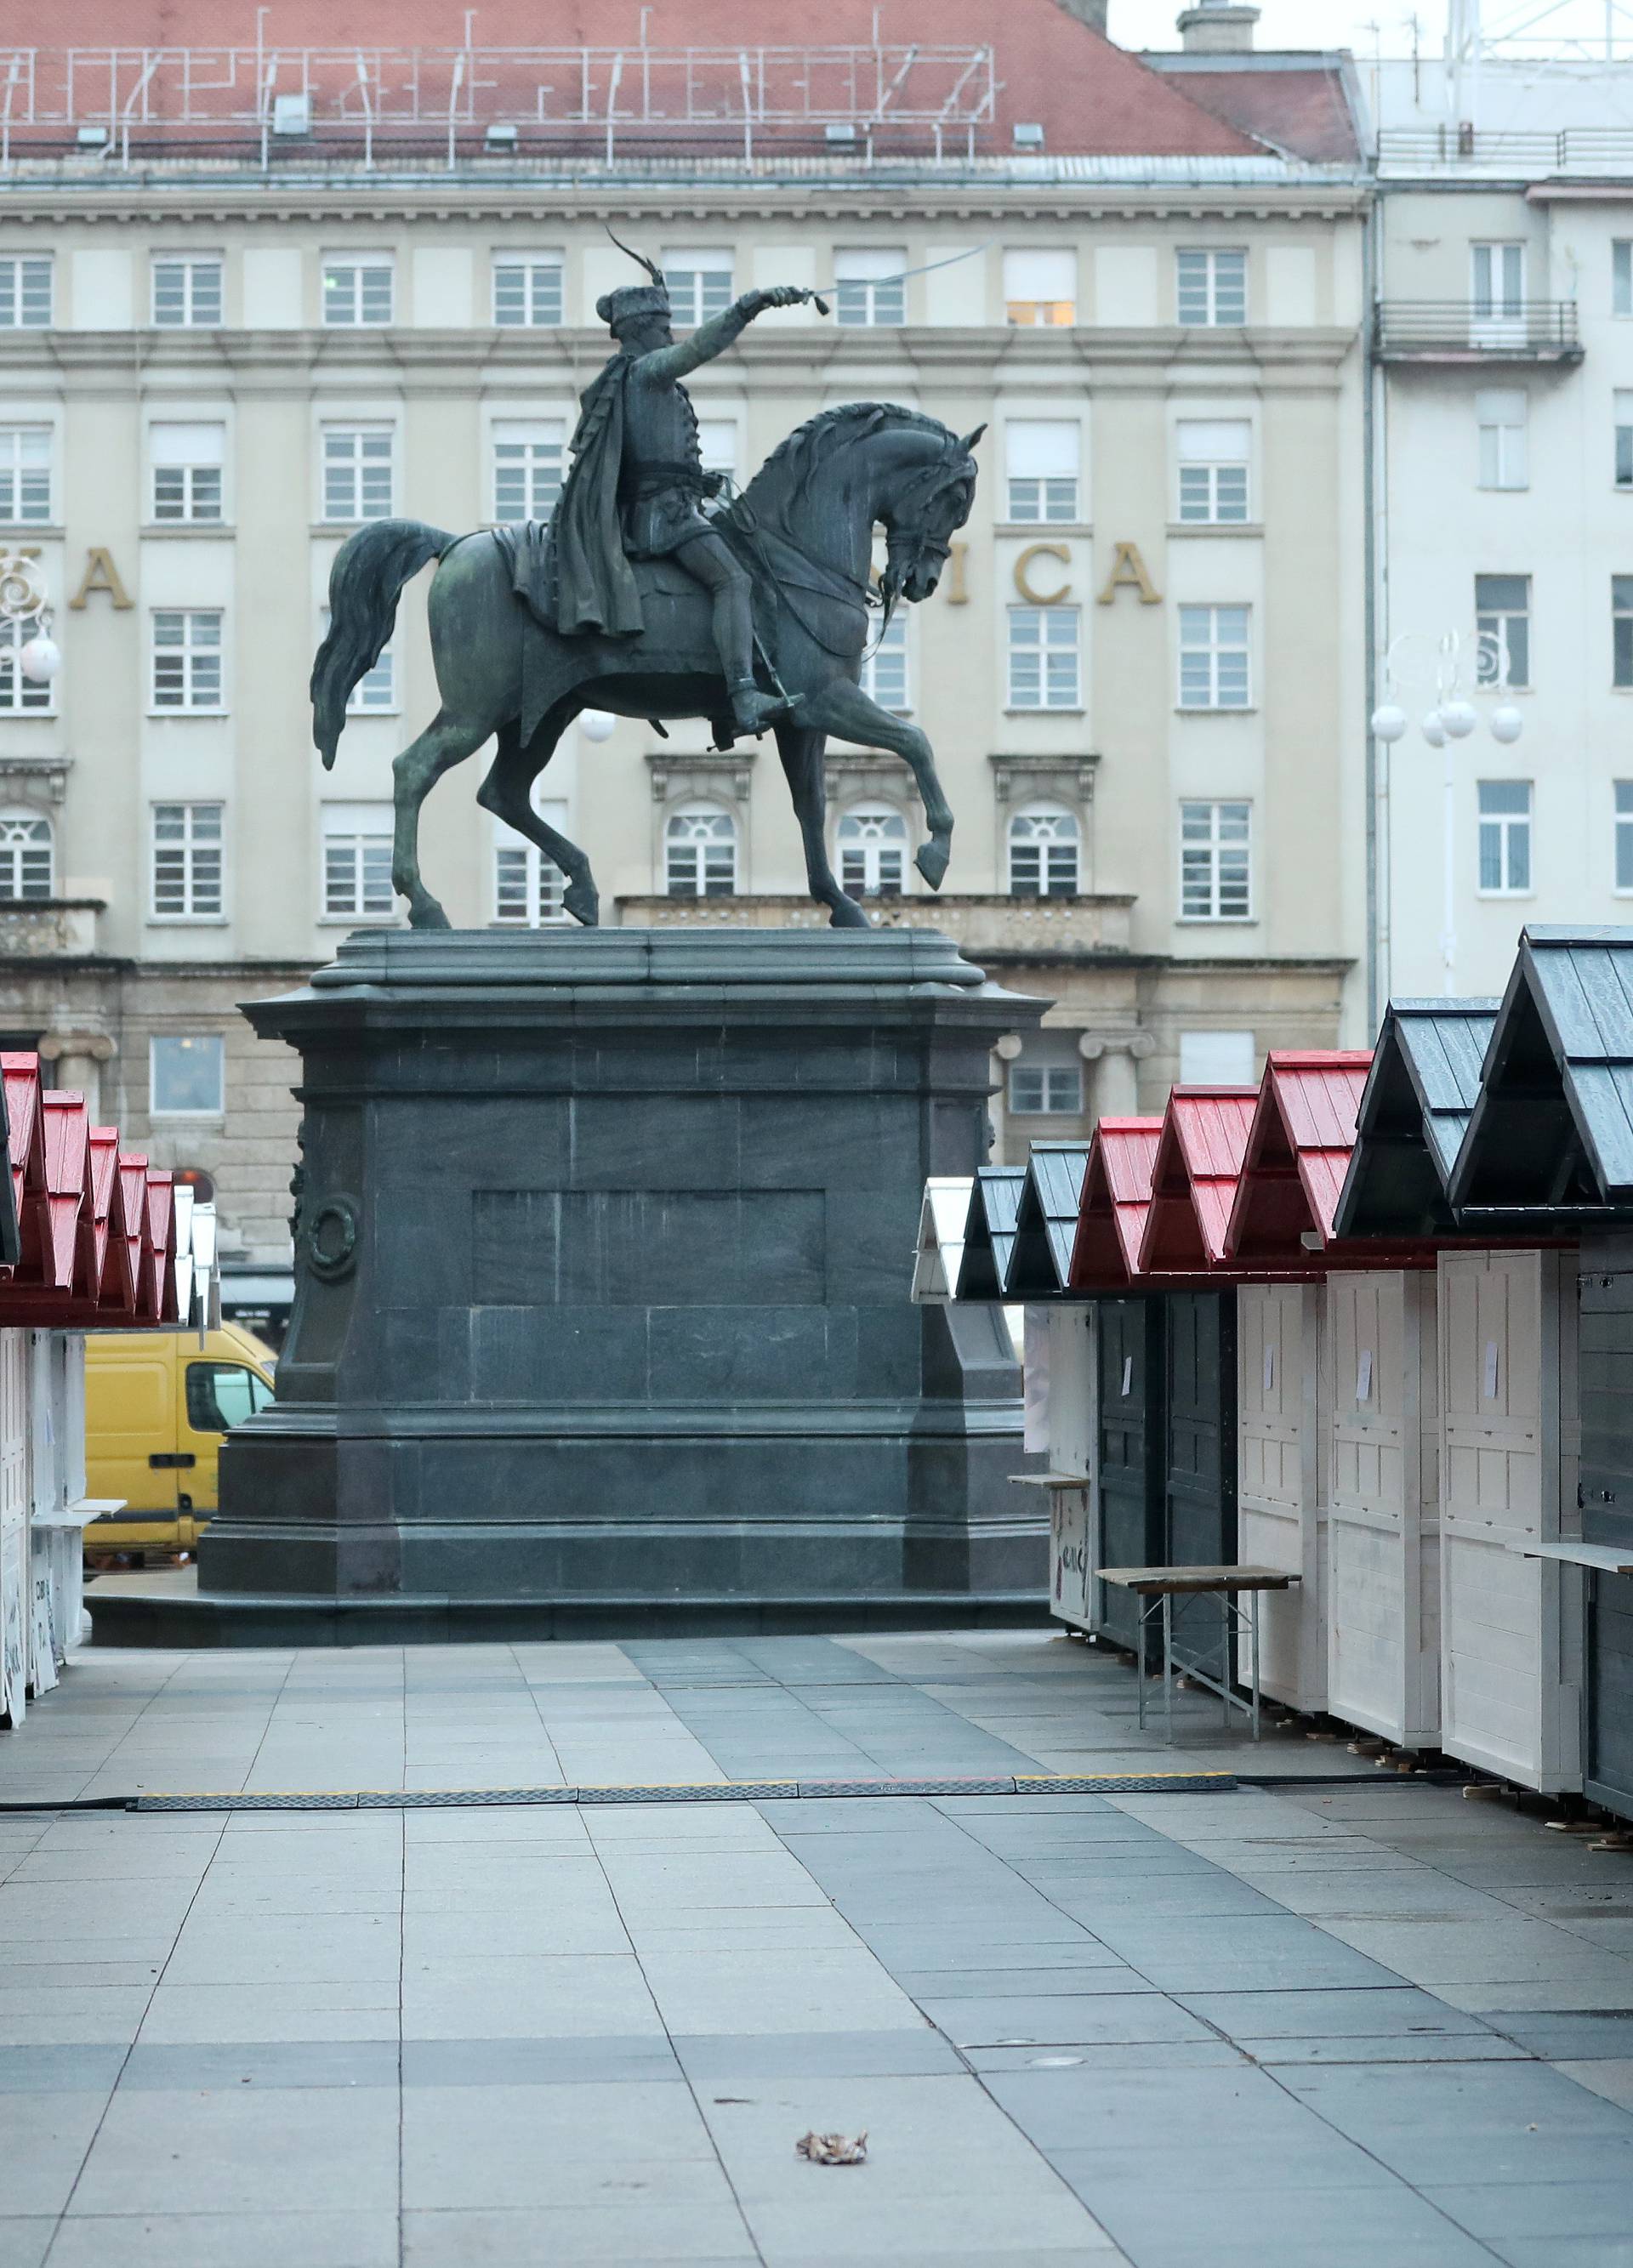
159 1246
116 1288
82 1213
1297 1155
1116 1195
26 1142
67 1127
1199 1158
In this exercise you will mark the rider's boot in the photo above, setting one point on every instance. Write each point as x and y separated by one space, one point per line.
753 710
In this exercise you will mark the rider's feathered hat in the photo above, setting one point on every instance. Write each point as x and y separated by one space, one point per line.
632 299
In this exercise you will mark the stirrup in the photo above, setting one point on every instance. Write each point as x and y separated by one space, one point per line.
753 710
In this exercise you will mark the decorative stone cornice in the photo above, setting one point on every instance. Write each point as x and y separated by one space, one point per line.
716 771
1069 778
36 779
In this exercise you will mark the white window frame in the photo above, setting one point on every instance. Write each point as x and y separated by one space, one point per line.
887 667
1217 851
353 456
1504 828
200 847
157 1110
1621 643
1048 639
196 647
1621 461
542 289
527 455
1048 838
1045 1080
201 303
1214 472
1215 654
870 292
1495 646
1621 275
698 278
22 697
1503 460
355 847
21 845
1043 498
873 847
1496 279
698 842
1622 838
27 291
356 303
1210 286
28 474
194 460
528 887
719 442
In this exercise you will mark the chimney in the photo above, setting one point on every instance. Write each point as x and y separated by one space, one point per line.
1092 12
1218 27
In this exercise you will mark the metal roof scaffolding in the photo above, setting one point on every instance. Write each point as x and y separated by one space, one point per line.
1199 1158
1415 1108
1045 1222
376 103
989 1233
1549 1142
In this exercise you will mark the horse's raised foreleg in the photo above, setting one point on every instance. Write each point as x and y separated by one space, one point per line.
448 740
507 792
844 711
801 750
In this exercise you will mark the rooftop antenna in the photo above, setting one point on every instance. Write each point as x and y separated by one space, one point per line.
1462 61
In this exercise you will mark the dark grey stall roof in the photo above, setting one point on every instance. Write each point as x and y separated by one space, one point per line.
1419 1094
989 1232
1551 1134
1045 1224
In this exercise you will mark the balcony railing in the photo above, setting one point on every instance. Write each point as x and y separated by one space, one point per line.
1462 330
1039 927
1522 154
42 929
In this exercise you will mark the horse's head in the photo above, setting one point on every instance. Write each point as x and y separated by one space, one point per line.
923 514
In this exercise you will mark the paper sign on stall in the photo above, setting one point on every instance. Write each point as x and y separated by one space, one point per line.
1491 1370
1363 1375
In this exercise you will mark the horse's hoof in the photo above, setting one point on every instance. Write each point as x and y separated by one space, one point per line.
428 916
932 863
848 915
582 900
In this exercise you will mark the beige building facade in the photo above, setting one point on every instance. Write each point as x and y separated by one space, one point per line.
1143 674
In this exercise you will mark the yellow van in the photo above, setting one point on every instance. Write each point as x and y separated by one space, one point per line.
157 1405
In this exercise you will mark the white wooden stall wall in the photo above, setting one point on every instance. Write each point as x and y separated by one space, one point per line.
1383 1602
67 1542
1510 1432
47 1400
1284 1405
1072 1429
15 1506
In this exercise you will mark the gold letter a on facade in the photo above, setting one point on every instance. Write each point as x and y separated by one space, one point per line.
1129 574
100 575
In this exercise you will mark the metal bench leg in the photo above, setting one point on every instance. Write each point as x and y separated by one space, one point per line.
1252 1614
1168 1663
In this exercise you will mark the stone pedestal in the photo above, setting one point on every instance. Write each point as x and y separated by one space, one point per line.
602 1316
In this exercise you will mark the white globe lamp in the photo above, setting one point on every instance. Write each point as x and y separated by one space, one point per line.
1507 725
1433 730
1459 718
40 659
595 723
1388 722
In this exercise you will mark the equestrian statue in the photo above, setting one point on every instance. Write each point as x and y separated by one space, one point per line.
648 592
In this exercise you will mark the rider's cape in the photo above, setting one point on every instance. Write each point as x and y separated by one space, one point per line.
594 585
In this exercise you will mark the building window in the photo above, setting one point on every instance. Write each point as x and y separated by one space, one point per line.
1217 1059
358 288
1624 443
1046 1077
1044 847
26 293
527 292
186 861
1622 276
1212 286
1041 460
884 668
1622 632
528 887
187 1075
1502 629
1504 837
21 695
699 285
187 659
375 692
1039 289
527 471
873 851
187 294
1214 455
26 476
870 287
1500 412
357 861
1214 670
357 472
717 446
25 856
700 853
1043 671
1624 836
1497 280
187 463
1215 852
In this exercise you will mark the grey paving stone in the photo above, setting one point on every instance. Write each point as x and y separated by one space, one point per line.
272 2240
536 2062
1063 2018
723 2060
1193 2217
1392 2048
295 2063
1574 2033
45 2140
1545 2211
60 2070
1370 2010
1566 2251
240 2152
204 2015
23 2239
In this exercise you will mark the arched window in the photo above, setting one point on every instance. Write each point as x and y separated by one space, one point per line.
26 855
873 850
1044 841
700 853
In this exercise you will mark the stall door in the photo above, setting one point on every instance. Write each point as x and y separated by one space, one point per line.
1383 1600
1283 1404
1074 1406
1511 1626
1131 1454
1199 1513
1605 1310
14 1511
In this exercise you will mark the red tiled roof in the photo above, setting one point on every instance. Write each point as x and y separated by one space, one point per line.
1088 96
1298 1153
1199 1158
67 1125
1300 107
1117 1195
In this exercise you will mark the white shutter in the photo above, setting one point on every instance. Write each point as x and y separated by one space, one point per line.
1037 276
1037 448
868 267
187 445
1215 440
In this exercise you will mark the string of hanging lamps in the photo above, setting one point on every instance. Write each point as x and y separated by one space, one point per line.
23 600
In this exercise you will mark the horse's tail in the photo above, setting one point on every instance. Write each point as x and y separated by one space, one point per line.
364 587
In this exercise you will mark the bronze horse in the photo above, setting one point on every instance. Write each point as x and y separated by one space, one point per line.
804 527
